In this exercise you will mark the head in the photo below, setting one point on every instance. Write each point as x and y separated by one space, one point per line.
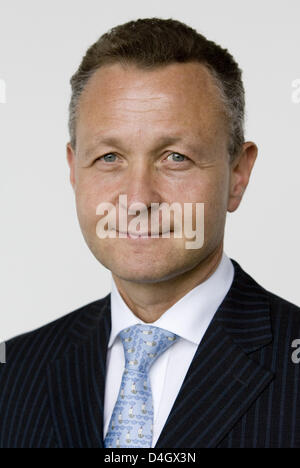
157 113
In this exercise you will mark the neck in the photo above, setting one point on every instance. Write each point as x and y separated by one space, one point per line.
148 301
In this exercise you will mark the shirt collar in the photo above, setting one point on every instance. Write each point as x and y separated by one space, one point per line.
190 316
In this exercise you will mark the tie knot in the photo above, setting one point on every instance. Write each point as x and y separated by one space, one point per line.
143 344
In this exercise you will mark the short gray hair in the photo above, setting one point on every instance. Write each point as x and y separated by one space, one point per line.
153 42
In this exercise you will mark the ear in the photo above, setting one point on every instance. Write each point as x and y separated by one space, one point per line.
71 163
240 171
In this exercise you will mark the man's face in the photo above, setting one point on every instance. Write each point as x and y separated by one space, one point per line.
141 112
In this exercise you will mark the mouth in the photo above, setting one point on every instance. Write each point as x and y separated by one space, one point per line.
141 235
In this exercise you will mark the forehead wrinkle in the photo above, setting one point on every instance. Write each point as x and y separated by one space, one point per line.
138 105
136 98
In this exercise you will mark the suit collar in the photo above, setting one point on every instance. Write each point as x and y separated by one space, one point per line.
220 385
245 312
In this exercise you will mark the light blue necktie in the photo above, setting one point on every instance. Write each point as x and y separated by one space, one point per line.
131 423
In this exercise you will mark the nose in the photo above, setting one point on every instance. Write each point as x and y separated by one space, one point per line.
141 185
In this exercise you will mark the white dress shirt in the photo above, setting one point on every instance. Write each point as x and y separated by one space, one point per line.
188 318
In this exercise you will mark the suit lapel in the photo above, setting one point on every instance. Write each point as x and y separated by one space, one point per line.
76 382
222 381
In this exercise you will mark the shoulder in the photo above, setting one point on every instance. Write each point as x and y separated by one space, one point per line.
273 319
24 397
284 315
42 345
277 305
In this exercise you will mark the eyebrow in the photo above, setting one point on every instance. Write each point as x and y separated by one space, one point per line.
114 141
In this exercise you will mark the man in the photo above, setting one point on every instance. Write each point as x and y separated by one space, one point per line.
187 350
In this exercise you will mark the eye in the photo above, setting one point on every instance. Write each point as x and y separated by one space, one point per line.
179 157
107 157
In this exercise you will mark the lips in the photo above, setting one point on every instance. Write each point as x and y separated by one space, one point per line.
136 233
140 234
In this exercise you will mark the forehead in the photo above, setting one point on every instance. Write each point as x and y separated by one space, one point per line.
176 96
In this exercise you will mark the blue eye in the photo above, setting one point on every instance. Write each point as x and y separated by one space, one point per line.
107 157
180 156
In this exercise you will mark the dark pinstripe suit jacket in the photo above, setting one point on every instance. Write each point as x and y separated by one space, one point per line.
241 390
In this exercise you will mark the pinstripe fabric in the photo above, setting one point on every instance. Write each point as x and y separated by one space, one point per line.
241 390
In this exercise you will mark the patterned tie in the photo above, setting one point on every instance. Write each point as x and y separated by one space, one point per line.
132 419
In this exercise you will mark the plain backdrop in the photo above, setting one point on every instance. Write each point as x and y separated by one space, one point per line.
46 270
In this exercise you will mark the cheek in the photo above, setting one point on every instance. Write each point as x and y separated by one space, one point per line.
212 191
92 190
216 207
207 190
96 187
88 196
90 183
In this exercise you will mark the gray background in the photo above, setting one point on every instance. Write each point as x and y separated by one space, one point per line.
46 269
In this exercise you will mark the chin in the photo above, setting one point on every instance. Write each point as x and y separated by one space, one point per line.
140 273
148 274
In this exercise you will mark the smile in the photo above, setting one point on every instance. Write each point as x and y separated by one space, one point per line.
142 235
